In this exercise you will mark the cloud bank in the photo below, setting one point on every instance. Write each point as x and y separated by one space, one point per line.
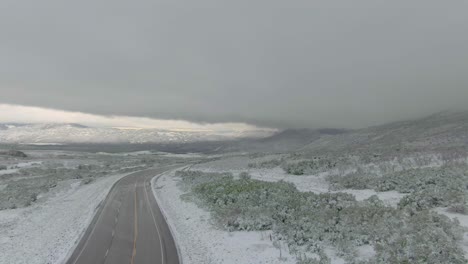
26 114
276 63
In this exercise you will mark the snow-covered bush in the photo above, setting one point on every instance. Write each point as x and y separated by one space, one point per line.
191 179
322 259
356 180
315 165
268 164
14 153
426 187
425 237
306 220
458 209
244 204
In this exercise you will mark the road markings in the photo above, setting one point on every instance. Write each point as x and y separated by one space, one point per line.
96 224
107 204
154 221
135 227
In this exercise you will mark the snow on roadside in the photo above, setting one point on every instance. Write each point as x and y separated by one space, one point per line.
200 242
47 232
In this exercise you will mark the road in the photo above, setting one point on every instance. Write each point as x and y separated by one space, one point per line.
129 227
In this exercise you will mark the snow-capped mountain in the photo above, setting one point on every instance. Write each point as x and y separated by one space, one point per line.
76 133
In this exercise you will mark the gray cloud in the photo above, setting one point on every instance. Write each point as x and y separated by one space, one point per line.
278 63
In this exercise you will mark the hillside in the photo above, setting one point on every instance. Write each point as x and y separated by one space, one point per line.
436 132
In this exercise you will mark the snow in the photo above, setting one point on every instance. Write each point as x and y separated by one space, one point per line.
186 155
43 144
134 153
198 239
60 221
308 183
365 252
53 134
463 219
12 168
8 171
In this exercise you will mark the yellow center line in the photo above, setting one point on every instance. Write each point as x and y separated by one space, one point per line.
136 228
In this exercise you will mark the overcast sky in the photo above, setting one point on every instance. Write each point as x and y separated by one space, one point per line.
273 63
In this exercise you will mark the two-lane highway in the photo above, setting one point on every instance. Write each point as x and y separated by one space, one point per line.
129 227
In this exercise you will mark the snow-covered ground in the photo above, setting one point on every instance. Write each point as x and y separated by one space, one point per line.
463 219
200 242
318 184
187 217
47 232
304 183
57 134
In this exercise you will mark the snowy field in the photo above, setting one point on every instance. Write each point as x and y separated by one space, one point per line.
305 183
211 243
52 196
48 199
47 232
201 242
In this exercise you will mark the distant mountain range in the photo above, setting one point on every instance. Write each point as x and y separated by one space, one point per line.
14 133
439 131
435 132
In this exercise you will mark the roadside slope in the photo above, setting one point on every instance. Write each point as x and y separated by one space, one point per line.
60 221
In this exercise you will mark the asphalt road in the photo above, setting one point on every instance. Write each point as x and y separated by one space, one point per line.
129 227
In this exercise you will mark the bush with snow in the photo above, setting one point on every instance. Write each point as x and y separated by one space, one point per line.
355 180
426 187
309 221
312 166
458 209
267 164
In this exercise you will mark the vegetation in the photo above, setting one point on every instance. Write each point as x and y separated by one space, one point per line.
305 220
14 153
21 186
268 164
315 165
426 187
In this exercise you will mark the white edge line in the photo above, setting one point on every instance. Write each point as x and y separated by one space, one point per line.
154 221
92 231
77 242
164 214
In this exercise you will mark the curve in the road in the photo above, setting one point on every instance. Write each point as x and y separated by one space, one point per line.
129 227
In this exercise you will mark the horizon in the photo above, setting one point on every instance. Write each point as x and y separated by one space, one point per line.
20 114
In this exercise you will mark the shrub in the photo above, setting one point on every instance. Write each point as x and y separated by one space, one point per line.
313 166
269 164
14 153
426 187
88 180
357 181
458 209
305 220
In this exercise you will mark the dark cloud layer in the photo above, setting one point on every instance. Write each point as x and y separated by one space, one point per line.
278 63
